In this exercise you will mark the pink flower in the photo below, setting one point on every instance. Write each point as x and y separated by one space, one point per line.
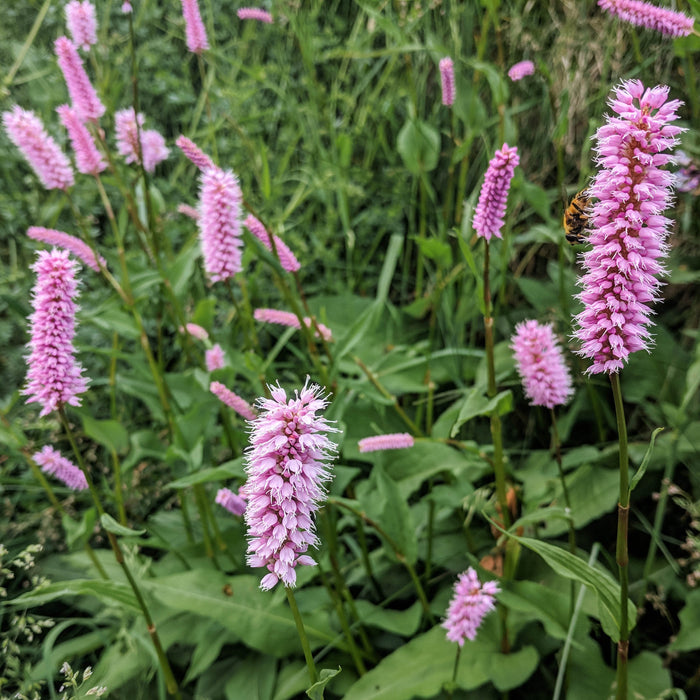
286 318
540 364
628 230
254 13
392 441
520 70
195 33
83 96
196 331
187 210
126 8
644 14
54 463
82 23
447 79
47 160
214 358
88 159
220 223
194 153
287 259
471 602
241 407
233 502
54 378
491 209
287 467
81 250
152 143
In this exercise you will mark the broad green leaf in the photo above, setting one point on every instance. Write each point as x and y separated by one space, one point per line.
208 646
180 270
111 525
254 676
355 334
643 466
418 144
315 692
81 531
110 433
107 591
476 404
204 476
111 320
403 622
547 606
688 638
437 250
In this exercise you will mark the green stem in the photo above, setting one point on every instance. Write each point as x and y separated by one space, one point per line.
313 674
621 553
118 495
454 671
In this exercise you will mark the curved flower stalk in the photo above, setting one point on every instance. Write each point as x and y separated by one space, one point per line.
520 70
644 14
152 143
239 405
43 154
471 602
83 96
82 23
540 363
287 259
54 377
287 318
391 441
447 81
81 250
88 159
195 33
234 503
627 225
491 209
254 13
54 463
287 467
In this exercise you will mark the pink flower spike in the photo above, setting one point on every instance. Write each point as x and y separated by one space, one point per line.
287 259
83 96
152 143
644 14
286 318
54 377
491 209
82 23
43 154
220 223
233 502
214 358
540 364
287 467
88 159
54 463
241 407
187 210
194 153
126 8
628 230
447 79
392 441
154 149
81 250
196 331
471 602
195 33
254 13
521 70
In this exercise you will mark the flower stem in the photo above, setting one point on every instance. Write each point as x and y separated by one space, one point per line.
313 674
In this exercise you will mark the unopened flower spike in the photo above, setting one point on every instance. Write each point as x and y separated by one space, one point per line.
234 503
82 94
644 14
82 23
447 80
521 70
54 463
391 441
195 33
80 250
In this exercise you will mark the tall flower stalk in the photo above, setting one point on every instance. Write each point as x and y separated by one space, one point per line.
628 233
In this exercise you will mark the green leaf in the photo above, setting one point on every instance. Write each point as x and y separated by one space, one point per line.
79 532
107 591
179 272
110 433
418 144
647 456
688 638
435 249
476 404
403 622
204 476
111 525
315 692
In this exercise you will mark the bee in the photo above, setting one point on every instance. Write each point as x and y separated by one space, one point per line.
576 218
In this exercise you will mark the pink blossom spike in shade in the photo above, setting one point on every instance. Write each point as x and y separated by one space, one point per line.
54 377
287 259
195 33
254 13
447 80
520 70
127 9
196 331
471 602
154 149
152 143
82 23
233 502
392 441
540 364
194 153
491 209
644 14
88 159
220 223
83 96
239 405
187 210
43 154
214 358
54 463
628 230
80 250
286 318
287 468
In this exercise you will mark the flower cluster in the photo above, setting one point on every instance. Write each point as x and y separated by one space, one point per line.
447 81
152 147
87 158
54 463
195 33
233 502
81 250
239 405
644 14
83 96
540 364
82 23
254 13
628 228
287 318
194 153
392 441
214 358
287 259
287 467
520 70
471 602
